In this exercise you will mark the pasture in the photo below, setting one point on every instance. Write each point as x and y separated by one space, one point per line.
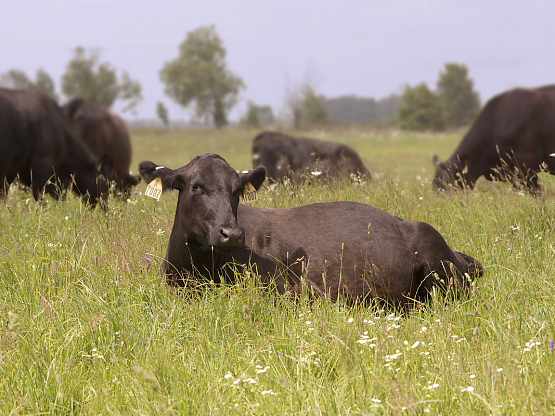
89 327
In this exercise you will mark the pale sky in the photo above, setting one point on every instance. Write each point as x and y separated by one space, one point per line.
368 48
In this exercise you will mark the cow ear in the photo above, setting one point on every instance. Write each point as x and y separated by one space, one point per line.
436 161
170 178
256 177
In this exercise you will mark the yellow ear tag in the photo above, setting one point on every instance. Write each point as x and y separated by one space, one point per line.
249 193
154 189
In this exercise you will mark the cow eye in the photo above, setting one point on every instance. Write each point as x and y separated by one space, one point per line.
195 188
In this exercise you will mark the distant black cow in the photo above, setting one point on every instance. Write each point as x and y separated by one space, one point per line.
107 137
512 139
38 147
336 249
297 157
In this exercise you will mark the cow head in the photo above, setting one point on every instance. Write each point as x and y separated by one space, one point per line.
85 173
91 185
448 175
209 191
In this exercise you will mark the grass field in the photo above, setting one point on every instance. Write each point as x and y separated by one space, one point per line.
89 327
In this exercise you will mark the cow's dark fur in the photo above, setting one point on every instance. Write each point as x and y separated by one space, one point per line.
38 147
512 139
335 249
296 157
107 137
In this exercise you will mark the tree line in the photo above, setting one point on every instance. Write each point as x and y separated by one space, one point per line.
199 78
85 77
453 104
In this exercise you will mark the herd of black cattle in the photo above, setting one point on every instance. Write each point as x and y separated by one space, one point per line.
51 148
336 250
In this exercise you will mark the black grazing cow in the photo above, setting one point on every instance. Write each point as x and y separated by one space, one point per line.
38 147
512 139
336 249
298 157
107 137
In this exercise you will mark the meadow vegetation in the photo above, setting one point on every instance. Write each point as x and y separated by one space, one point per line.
89 326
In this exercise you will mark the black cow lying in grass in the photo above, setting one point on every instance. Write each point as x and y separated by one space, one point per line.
296 158
335 249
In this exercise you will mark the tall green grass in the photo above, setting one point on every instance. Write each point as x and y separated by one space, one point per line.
89 327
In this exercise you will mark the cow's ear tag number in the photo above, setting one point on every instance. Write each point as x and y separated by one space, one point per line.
154 189
249 193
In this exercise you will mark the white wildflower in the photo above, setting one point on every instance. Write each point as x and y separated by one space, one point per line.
416 344
392 357
247 380
392 317
263 370
365 340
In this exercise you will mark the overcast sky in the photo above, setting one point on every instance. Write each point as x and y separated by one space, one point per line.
370 48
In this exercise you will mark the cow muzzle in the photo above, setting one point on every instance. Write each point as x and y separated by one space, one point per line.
229 239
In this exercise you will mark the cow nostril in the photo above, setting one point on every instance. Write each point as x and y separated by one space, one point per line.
230 236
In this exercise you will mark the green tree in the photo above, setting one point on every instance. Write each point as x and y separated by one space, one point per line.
251 118
456 92
314 110
200 75
18 79
88 78
162 113
352 109
421 110
257 115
